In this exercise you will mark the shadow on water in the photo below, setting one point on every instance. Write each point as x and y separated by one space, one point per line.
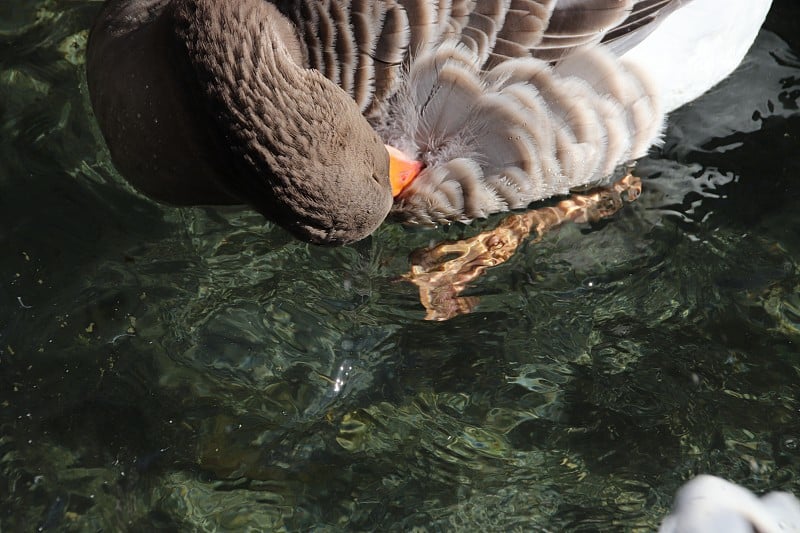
198 369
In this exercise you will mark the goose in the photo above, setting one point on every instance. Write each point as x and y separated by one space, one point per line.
328 116
715 505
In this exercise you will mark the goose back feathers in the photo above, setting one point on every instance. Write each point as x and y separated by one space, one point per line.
285 105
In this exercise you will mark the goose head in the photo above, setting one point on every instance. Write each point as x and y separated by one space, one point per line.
329 185
302 152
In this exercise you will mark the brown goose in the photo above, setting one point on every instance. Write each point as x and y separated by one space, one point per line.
483 105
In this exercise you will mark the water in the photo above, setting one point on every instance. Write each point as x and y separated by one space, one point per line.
200 370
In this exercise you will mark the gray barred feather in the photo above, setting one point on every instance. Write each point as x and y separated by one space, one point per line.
505 101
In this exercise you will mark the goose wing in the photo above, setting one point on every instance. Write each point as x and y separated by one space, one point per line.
506 101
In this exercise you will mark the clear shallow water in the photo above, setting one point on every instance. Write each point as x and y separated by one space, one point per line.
198 369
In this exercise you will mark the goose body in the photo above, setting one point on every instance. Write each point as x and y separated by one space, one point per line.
287 105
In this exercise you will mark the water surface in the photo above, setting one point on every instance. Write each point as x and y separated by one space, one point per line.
201 370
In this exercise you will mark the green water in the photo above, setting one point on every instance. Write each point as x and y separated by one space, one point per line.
175 369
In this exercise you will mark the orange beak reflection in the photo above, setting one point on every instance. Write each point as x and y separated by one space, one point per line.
402 169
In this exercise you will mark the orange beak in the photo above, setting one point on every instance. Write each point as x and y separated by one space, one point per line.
402 169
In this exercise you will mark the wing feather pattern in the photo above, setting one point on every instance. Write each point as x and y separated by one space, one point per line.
506 101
